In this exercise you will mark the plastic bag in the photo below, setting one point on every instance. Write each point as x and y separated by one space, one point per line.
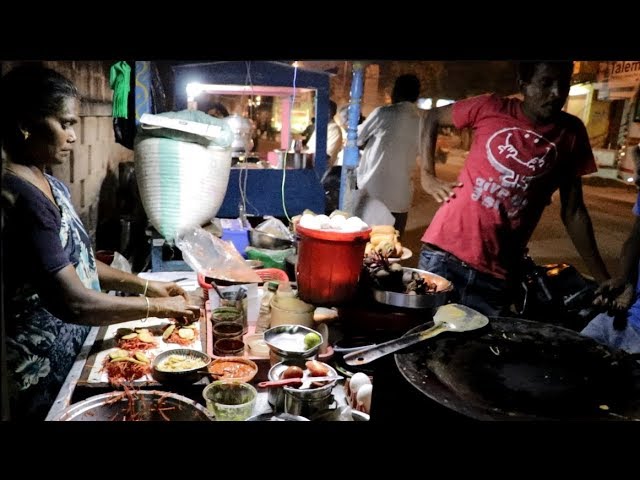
275 227
222 134
215 258
120 263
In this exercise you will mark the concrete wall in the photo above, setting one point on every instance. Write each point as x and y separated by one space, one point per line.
96 153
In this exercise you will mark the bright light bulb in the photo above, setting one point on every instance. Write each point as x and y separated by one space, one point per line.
194 89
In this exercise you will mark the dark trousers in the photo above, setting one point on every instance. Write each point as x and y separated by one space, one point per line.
331 184
401 221
485 293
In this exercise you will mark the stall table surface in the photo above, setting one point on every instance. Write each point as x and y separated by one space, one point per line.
87 379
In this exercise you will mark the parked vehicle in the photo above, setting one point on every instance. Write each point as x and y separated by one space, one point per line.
556 293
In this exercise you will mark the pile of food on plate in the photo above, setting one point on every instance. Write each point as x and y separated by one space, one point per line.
392 277
385 241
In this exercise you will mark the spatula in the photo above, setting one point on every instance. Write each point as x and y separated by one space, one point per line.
448 318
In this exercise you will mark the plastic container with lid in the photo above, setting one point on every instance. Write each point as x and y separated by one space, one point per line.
264 318
329 264
289 310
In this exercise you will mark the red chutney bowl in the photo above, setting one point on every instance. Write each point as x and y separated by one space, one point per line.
236 369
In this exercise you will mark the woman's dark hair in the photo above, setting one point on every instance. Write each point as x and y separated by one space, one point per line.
526 70
29 93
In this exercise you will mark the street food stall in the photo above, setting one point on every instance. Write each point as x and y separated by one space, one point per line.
284 85
392 348
351 334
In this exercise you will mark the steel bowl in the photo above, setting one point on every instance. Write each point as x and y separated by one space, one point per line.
146 406
189 376
296 401
260 239
288 341
404 300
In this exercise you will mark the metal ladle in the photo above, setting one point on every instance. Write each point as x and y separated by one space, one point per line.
448 318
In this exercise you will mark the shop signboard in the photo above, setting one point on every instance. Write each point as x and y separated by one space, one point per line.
624 79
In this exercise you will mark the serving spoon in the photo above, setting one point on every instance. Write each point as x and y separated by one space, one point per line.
448 318
306 381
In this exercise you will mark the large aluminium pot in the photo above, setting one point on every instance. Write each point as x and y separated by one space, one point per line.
516 369
303 402
242 129
149 405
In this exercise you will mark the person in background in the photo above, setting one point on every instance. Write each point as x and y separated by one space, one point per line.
342 119
619 327
52 280
334 137
331 178
389 138
307 132
522 152
218 110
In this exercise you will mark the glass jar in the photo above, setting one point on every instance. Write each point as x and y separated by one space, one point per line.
228 347
264 319
227 330
230 310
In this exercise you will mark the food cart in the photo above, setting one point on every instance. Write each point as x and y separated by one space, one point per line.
280 81
510 369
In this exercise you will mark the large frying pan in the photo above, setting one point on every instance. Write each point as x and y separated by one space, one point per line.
517 369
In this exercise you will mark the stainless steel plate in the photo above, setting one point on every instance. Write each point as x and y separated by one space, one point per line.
115 406
288 340
431 300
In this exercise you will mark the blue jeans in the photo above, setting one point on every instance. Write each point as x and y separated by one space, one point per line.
602 331
482 292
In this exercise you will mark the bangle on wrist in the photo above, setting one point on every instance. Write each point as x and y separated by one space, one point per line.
146 286
148 307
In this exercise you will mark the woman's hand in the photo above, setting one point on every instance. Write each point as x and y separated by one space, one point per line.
165 289
174 307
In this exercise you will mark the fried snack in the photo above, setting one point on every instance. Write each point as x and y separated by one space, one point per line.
384 240
383 229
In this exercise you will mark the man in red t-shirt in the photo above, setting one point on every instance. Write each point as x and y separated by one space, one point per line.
522 152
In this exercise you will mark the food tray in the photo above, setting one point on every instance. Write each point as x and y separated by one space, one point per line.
107 341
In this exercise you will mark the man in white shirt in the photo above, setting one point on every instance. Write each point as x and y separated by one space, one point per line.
389 136
334 137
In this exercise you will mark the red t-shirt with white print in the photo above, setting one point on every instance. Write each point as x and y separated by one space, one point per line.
512 169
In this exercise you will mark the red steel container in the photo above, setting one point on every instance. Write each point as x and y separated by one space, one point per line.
329 264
